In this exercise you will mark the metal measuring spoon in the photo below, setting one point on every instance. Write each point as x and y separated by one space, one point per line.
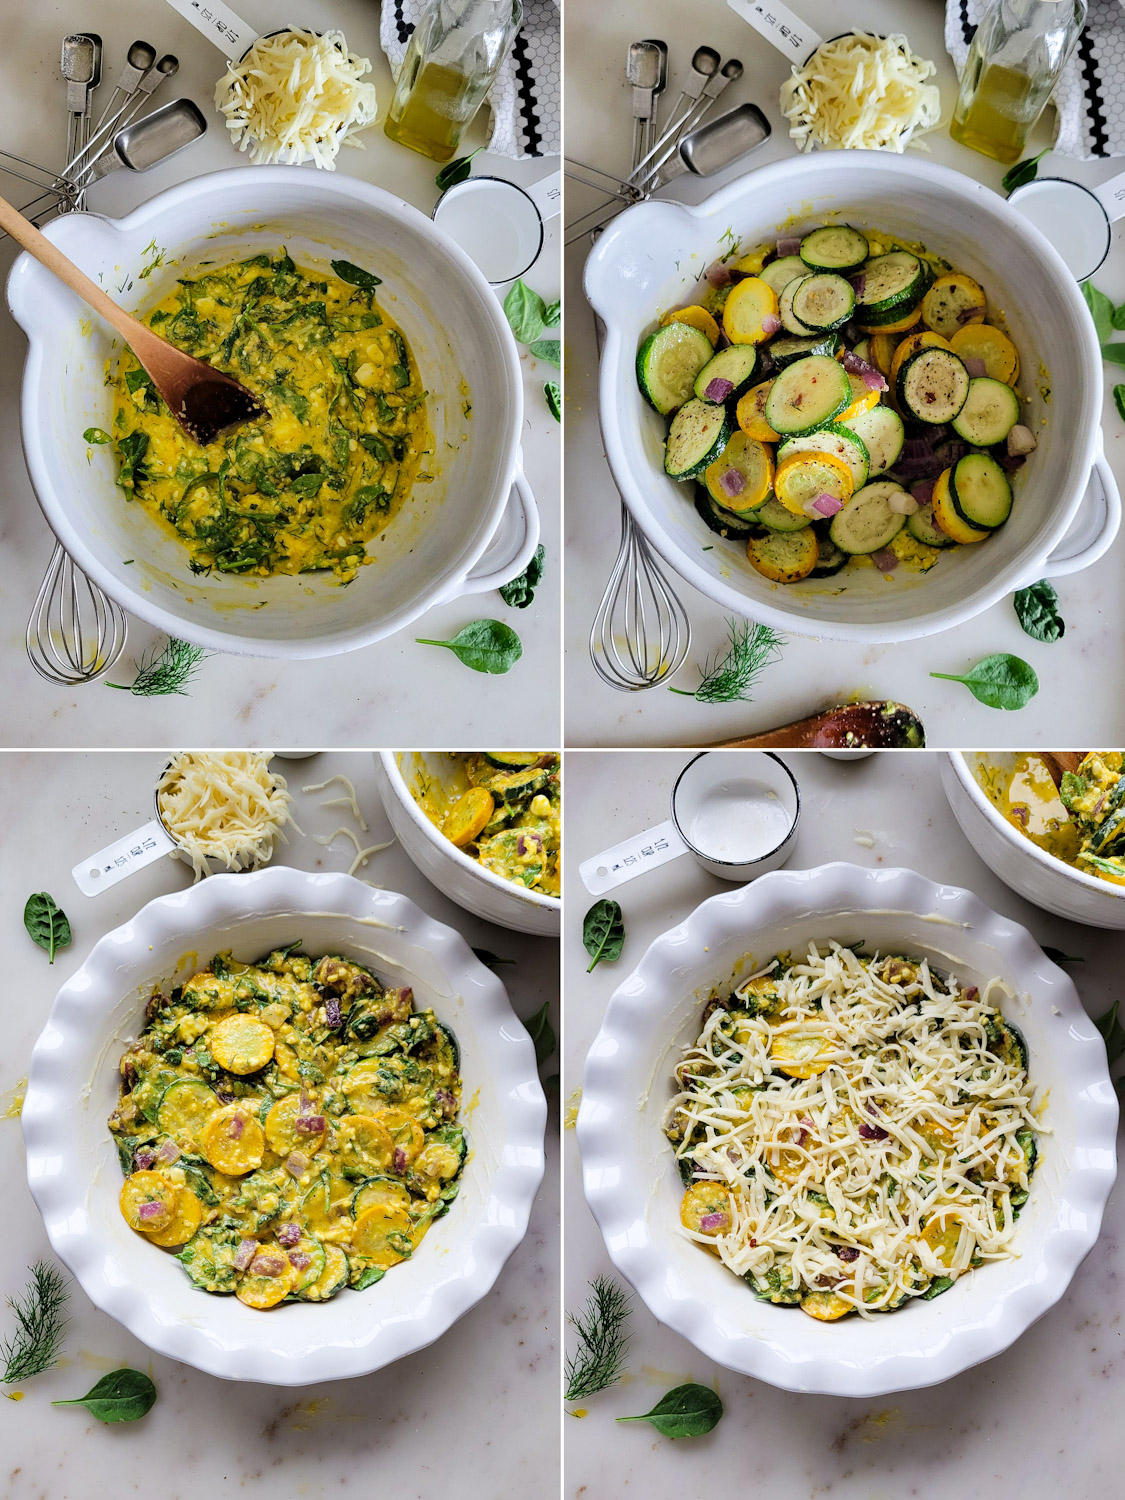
658 88
155 138
642 69
704 66
138 61
80 65
728 73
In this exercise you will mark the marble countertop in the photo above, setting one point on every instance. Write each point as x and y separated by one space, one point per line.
1039 1420
392 691
812 673
481 1403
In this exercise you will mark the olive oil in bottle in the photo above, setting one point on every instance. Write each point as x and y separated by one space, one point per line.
1017 55
451 63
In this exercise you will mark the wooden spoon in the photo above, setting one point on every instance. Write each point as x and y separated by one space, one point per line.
1059 762
202 399
881 725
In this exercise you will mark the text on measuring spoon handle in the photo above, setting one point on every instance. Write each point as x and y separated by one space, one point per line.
779 25
644 851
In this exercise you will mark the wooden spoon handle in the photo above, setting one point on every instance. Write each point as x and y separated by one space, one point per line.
787 737
24 232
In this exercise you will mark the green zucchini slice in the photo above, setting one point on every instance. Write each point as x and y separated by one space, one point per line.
668 362
779 273
883 435
896 280
807 394
980 492
777 517
699 432
786 351
823 302
837 440
836 247
734 367
789 319
932 386
923 528
867 523
722 522
990 412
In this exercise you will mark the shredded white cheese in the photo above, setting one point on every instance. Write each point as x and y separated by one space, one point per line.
297 97
227 807
362 855
915 1123
861 92
348 800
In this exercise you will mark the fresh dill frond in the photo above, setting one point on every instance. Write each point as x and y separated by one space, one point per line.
730 678
168 670
34 1346
603 1339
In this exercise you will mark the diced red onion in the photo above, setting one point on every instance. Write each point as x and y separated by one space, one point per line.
970 315
300 1260
305 1104
296 1163
917 448
1020 815
446 1103
871 377
529 841
169 1152
714 1221
770 324
789 244
718 275
1021 440
949 453
885 560
309 1124
404 995
848 1252
289 1234
269 1263
142 1160
872 1132
731 482
859 282
902 504
1009 464
976 367
923 491
333 1016
224 1096
824 505
235 1126
398 1160
245 1254
718 389
151 1210
971 994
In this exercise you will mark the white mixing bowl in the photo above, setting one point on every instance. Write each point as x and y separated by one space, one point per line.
75 1177
472 529
651 258
634 1190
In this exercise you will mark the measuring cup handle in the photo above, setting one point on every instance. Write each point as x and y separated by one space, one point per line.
644 851
791 36
1111 196
125 856
219 24
546 194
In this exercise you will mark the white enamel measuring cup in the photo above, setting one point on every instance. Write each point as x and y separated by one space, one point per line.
736 811
1077 220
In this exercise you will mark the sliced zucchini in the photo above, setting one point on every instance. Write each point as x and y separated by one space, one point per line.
932 386
864 397
751 413
386 1192
867 523
747 307
980 492
830 558
777 517
923 528
899 320
843 442
911 345
185 1108
952 302
803 477
786 351
699 432
823 302
513 760
208 1258
731 369
836 247
751 464
668 362
891 283
950 521
332 1279
863 351
697 317
990 412
789 319
779 273
721 521
784 557
883 435
807 394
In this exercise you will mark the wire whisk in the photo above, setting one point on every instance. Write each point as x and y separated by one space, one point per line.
75 632
641 633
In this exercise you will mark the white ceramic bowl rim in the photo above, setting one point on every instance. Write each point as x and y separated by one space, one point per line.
69 1054
959 763
434 836
624 1198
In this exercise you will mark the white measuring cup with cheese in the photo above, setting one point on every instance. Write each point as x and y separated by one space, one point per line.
735 811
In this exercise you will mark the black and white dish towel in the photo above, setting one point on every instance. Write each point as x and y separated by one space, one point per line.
1090 97
527 95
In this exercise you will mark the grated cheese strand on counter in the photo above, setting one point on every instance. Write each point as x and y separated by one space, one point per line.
804 1160
227 807
348 800
861 91
297 97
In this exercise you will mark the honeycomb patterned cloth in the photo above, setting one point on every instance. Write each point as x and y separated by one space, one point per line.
1090 96
526 98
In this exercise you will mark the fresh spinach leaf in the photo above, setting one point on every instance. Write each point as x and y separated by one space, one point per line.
369 1278
130 451
519 592
490 960
552 314
525 311
483 645
940 1283
356 275
46 923
121 1396
375 446
542 1033
1023 171
1057 956
1119 400
687 1411
1037 607
553 392
1114 354
96 435
603 933
1112 1033
456 171
999 681
548 350
1101 310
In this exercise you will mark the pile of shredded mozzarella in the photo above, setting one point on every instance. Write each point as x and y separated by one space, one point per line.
861 91
913 1120
297 97
228 807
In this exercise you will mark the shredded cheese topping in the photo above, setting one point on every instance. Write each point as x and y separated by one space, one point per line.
894 1165
227 807
297 97
348 800
861 91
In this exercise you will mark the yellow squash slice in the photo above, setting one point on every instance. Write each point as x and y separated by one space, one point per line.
982 341
863 399
269 1277
405 1132
752 464
883 346
383 1236
801 477
364 1143
750 303
825 1307
469 816
801 1054
784 556
233 1141
911 345
952 302
153 1192
943 1235
281 1129
695 317
904 324
948 519
188 1217
701 1202
241 1044
750 414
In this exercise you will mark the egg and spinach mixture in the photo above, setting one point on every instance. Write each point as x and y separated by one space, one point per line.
1081 822
509 819
291 1125
307 488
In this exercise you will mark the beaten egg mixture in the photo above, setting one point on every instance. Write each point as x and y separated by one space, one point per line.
1081 822
307 488
509 819
291 1124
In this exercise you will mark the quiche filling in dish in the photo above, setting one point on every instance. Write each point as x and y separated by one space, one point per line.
854 1132
289 1126
1081 822
310 486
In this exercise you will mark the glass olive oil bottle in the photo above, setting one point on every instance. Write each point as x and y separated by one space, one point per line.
451 63
1017 55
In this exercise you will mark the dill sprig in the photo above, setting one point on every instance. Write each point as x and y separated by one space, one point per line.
168 670
34 1346
750 649
603 1339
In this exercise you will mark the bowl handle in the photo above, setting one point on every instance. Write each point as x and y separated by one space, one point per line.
1097 523
512 547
